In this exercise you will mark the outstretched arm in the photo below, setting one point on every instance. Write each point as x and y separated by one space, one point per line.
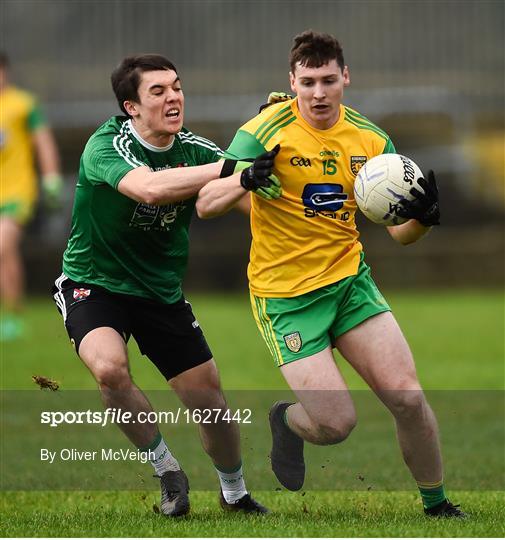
219 196
170 185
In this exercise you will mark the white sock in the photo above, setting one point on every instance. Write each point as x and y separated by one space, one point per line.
162 460
232 485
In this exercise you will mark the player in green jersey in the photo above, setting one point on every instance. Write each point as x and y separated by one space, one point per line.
311 289
125 260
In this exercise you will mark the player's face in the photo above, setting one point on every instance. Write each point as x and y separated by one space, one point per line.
319 92
159 113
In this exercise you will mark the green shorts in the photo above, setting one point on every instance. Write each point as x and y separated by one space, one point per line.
19 211
298 327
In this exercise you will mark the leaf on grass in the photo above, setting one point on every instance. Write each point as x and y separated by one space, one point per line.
360 477
45 382
156 508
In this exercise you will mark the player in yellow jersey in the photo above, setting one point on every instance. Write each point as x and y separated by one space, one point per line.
310 287
22 129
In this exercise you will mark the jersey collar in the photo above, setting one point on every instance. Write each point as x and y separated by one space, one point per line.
335 126
147 145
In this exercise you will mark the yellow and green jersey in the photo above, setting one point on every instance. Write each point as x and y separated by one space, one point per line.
308 238
20 116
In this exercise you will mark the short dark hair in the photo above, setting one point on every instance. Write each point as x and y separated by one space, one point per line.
4 60
125 78
314 49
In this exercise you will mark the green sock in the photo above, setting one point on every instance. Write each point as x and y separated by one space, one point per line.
432 495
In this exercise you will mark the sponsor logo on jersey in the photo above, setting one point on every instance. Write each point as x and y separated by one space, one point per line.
333 153
293 341
297 161
356 163
144 215
324 197
81 294
156 218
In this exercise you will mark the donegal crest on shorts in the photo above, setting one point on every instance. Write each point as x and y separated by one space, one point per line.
81 294
356 163
293 341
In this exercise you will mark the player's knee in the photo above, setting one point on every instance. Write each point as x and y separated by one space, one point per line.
112 376
407 404
334 431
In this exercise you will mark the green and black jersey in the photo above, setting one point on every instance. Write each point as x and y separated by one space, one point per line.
117 243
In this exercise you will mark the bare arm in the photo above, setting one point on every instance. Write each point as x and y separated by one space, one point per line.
169 185
47 151
219 196
409 232
244 204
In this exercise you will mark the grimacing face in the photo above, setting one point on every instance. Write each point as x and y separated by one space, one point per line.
320 92
159 113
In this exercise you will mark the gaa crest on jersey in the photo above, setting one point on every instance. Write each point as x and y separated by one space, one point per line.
81 294
356 163
293 341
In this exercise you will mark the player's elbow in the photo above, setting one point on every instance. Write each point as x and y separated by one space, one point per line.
152 196
204 209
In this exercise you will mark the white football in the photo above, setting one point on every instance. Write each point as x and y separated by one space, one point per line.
381 183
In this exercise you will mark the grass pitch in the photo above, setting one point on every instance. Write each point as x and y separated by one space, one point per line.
317 514
457 339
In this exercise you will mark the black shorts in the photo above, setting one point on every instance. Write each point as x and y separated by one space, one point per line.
168 334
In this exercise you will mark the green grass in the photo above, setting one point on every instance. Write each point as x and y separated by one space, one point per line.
320 514
458 342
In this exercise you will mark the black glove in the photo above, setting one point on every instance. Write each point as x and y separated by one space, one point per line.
256 176
424 207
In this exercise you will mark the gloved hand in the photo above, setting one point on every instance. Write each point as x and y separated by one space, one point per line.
259 176
275 97
273 191
425 206
52 186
